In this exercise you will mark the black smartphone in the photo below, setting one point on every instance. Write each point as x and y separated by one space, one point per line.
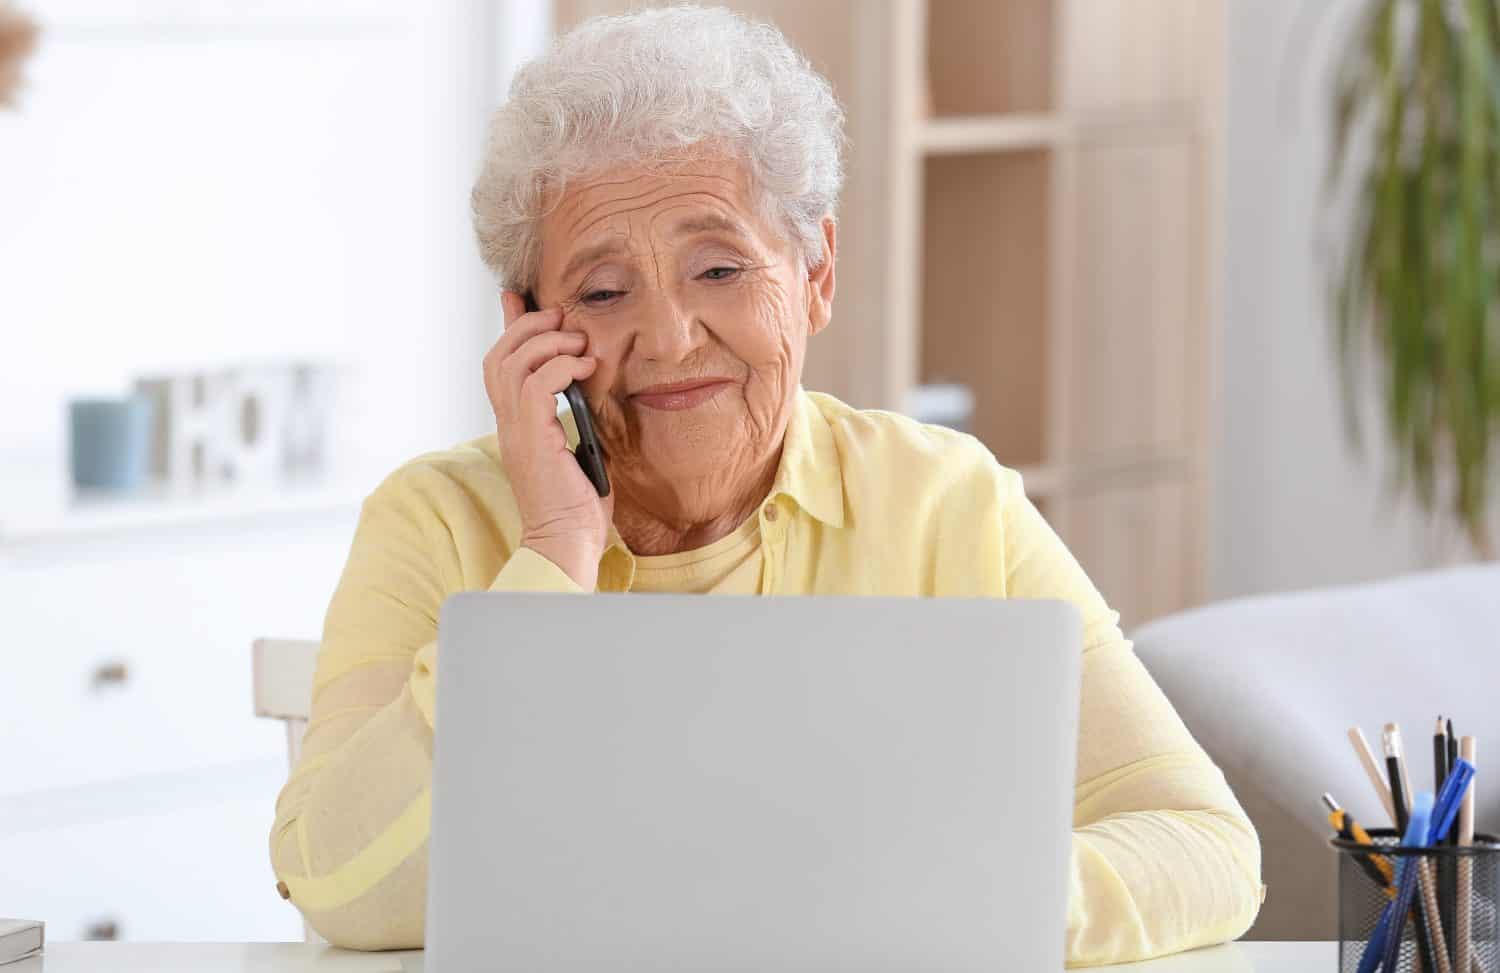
590 453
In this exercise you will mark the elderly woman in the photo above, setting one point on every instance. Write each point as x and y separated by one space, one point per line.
663 185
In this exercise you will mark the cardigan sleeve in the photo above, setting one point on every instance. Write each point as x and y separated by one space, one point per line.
1163 857
349 842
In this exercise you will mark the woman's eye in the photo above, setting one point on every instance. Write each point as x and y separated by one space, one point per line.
599 297
726 271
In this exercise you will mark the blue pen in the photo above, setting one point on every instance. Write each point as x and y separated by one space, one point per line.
1450 800
1385 942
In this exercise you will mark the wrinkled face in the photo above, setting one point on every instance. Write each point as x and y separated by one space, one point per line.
697 311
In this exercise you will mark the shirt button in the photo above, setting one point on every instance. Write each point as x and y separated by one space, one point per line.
770 511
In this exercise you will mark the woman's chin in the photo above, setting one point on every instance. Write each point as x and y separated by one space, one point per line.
681 465
710 441
692 450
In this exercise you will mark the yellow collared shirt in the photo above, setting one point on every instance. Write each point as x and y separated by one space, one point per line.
864 502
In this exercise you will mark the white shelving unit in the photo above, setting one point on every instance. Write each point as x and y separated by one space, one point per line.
48 507
1032 212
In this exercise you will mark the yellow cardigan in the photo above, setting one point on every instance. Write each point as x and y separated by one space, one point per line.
864 502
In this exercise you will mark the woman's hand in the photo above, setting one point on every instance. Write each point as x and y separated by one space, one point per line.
562 517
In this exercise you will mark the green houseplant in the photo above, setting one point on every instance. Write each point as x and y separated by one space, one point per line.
1416 295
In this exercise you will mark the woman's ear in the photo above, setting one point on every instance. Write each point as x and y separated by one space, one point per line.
820 281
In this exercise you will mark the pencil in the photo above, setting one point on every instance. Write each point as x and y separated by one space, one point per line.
1452 759
1439 866
1462 949
1431 913
1395 766
1372 770
1439 758
1448 869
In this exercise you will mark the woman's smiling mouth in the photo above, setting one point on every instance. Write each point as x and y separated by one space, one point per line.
676 396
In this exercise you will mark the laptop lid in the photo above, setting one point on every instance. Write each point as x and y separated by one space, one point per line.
680 782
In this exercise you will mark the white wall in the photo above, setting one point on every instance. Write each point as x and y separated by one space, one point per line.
188 185
1293 508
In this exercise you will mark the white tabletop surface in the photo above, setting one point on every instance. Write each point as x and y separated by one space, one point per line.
309 958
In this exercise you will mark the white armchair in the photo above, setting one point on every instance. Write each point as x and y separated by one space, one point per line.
1269 685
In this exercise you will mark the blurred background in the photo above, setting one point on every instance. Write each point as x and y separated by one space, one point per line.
1095 233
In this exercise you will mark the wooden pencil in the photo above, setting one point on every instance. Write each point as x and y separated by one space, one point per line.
1372 769
1462 949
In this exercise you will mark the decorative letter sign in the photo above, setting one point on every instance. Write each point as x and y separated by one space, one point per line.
251 423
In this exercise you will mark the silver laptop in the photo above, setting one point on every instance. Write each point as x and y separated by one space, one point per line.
665 782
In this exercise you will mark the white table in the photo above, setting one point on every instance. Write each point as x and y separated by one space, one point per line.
310 958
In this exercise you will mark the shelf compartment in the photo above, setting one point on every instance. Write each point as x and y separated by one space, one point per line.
985 293
990 58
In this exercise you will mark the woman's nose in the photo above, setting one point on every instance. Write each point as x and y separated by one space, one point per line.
668 332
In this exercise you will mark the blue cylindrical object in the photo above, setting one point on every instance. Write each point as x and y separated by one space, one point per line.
110 441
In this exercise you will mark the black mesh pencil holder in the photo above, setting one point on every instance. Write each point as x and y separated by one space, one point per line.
1448 877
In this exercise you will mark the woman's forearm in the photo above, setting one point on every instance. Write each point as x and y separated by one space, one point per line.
1164 857
349 844
1148 883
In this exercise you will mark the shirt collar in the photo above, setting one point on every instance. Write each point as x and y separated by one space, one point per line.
810 473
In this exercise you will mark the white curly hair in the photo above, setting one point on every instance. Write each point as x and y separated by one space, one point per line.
648 89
